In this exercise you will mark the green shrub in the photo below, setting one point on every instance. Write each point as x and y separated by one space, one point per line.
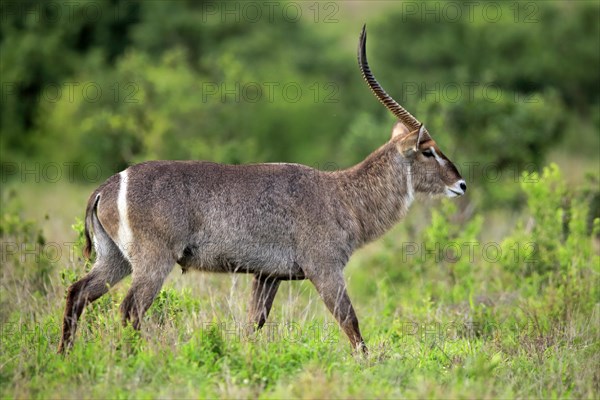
558 227
27 261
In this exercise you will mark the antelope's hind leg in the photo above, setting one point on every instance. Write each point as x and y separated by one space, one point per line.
109 268
150 269
264 290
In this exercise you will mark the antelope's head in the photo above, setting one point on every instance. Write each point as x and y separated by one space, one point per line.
431 171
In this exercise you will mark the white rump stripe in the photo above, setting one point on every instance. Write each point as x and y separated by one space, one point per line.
125 233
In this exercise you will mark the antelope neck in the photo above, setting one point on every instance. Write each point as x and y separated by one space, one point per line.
378 191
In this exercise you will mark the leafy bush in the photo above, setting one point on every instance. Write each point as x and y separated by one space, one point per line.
27 263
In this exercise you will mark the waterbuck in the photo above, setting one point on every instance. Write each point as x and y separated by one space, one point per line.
277 221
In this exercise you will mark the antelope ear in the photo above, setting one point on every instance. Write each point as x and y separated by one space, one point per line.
399 129
410 144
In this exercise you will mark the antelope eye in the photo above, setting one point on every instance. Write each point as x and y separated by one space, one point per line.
427 153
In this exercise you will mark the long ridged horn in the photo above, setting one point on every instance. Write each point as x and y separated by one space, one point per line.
376 88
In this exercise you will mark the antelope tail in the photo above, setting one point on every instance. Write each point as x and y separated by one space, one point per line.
90 209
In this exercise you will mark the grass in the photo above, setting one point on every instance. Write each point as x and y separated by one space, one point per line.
439 326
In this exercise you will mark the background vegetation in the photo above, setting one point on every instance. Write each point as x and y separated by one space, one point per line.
493 295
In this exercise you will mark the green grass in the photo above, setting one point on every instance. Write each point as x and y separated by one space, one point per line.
519 325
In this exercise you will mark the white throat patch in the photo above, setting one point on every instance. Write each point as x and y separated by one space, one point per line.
410 192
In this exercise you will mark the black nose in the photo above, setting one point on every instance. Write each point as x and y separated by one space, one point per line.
463 186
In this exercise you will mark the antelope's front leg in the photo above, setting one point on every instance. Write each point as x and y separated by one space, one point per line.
264 290
332 288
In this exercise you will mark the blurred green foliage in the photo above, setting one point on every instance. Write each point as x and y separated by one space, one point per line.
133 80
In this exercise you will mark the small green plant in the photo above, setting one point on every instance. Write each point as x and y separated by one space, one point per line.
172 305
27 260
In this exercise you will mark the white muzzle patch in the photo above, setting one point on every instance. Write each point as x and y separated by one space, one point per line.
458 189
